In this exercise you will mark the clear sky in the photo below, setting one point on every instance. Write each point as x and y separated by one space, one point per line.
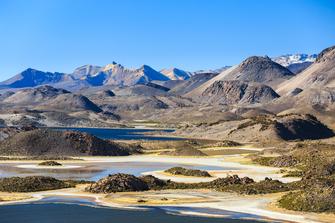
60 35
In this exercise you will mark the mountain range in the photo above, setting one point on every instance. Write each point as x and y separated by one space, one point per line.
117 75
114 95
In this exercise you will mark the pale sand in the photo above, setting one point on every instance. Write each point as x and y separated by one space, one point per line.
36 166
230 162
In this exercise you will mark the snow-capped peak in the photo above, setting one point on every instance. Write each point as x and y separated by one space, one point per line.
289 59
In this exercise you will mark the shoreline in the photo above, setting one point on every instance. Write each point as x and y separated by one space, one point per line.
247 204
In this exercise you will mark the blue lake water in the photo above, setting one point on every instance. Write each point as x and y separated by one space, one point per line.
95 171
80 210
124 133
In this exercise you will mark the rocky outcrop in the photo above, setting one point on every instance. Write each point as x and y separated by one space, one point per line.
236 92
187 172
153 182
118 183
50 163
230 180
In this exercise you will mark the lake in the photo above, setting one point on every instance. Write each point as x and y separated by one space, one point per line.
79 210
124 133
95 170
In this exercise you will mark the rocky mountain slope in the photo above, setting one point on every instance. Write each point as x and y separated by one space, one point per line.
237 92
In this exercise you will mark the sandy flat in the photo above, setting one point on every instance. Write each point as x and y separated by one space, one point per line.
36 166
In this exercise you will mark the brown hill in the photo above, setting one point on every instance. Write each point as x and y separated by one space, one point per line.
264 129
43 142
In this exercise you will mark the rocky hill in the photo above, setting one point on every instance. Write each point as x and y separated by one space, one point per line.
34 95
254 69
237 92
187 172
69 102
118 183
44 142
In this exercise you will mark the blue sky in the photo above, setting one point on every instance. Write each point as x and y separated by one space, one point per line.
60 35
